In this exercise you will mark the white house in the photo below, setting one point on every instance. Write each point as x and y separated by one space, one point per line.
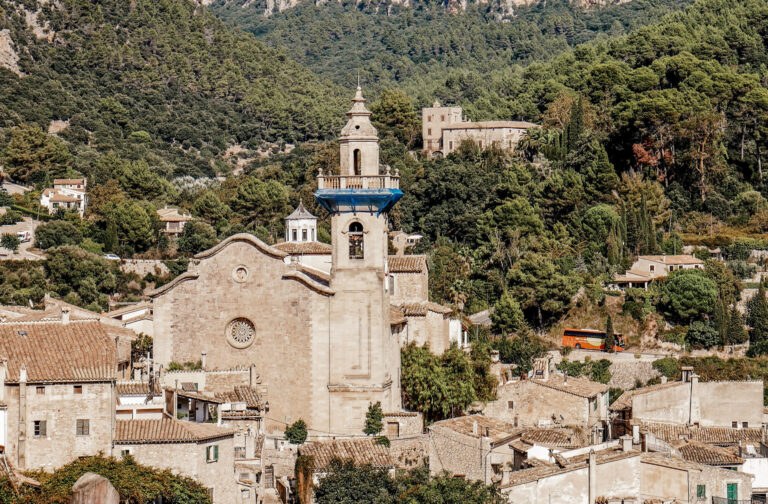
650 267
66 194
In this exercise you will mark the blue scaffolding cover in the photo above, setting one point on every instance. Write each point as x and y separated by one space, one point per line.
358 200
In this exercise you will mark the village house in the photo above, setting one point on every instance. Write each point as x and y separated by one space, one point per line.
57 388
735 404
134 316
475 447
173 220
619 474
139 400
548 398
204 452
651 267
444 129
402 241
66 194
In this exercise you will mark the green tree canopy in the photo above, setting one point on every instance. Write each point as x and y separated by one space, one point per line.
688 294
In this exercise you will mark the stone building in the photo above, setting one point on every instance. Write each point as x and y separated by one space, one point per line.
444 129
173 221
650 267
550 398
736 404
57 391
327 344
619 474
66 194
475 447
204 452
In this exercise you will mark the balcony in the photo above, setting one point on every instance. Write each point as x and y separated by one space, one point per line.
387 181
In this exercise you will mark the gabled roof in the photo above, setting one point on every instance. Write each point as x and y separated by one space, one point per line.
78 351
702 453
128 309
300 213
68 181
360 451
134 388
407 264
560 437
304 248
673 259
167 430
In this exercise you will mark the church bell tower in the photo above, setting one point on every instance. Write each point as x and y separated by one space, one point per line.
365 357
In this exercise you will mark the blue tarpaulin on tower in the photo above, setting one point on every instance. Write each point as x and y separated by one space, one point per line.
358 200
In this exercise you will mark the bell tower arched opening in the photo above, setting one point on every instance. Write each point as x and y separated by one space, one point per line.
357 162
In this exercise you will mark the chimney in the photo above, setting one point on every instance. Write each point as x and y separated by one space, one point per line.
203 358
64 315
626 443
636 434
663 379
592 476
474 428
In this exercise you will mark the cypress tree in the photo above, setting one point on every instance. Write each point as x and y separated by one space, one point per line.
757 317
736 333
575 127
720 318
609 337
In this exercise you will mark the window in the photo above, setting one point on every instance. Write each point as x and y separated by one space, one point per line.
442 118
391 284
735 425
303 235
356 160
83 427
239 452
701 491
245 493
295 235
77 389
450 145
123 453
510 404
429 131
212 453
356 241
40 390
745 424
594 404
429 118
41 428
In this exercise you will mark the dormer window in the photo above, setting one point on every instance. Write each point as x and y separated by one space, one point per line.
356 241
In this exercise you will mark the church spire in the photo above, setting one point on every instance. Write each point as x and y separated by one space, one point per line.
359 141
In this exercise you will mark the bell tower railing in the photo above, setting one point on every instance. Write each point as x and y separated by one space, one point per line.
386 181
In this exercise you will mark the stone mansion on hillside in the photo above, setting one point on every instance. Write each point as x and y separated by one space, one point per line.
321 324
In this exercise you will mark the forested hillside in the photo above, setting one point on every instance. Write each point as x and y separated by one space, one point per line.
160 80
418 45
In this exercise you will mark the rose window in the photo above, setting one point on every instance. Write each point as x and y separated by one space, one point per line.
241 332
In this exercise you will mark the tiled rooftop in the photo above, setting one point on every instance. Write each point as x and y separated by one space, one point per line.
53 351
166 430
702 453
137 388
304 248
709 435
421 309
625 400
581 387
360 451
407 263
496 429
241 393
561 438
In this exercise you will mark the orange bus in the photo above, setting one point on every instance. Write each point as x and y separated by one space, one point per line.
590 339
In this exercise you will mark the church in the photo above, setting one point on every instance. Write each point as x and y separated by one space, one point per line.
321 324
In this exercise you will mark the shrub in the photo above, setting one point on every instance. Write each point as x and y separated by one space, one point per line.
667 367
702 335
296 433
57 233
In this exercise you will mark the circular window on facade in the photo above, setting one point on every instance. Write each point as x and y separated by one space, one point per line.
241 333
240 274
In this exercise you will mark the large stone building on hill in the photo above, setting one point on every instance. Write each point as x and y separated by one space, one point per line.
325 342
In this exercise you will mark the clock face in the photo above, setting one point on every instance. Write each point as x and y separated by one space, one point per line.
241 332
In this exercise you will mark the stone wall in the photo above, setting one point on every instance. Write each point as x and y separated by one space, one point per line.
60 407
457 453
410 287
144 267
189 459
410 452
533 405
625 374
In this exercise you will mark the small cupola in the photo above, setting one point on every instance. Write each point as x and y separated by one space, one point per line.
301 226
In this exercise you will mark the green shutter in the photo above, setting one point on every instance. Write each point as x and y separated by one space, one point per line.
701 491
215 452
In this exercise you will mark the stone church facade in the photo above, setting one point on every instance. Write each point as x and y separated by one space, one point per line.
322 344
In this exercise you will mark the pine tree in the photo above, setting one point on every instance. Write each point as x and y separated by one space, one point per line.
609 336
736 333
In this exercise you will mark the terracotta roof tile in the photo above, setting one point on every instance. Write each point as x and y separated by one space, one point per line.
166 430
709 435
407 263
561 438
396 316
420 309
673 259
68 181
241 393
496 429
52 351
581 387
702 453
360 451
137 388
172 215
304 248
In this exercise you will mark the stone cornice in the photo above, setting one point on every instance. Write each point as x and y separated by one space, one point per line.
187 275
243 237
